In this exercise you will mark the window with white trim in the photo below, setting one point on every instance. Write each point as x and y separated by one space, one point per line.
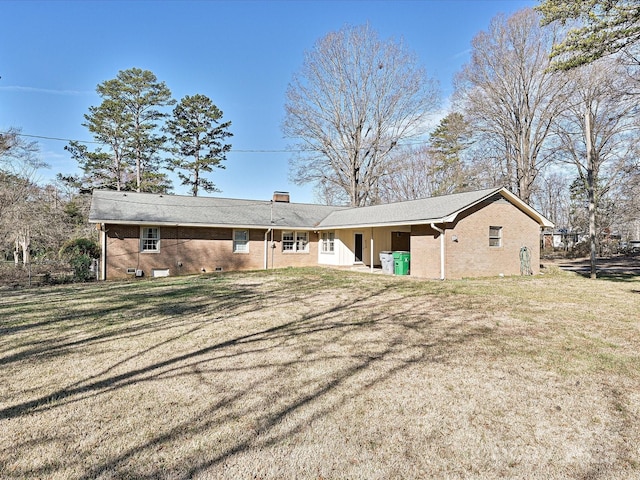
150 239
241 241
495 236
296 242
328 242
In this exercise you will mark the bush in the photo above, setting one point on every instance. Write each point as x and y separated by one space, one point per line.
80 253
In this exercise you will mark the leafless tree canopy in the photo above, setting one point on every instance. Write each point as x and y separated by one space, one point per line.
438 167
597 133
17 153
510 97
18 165
34 220
598 90
551 197
354 100
412 176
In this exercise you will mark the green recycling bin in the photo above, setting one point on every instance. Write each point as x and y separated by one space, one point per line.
401 263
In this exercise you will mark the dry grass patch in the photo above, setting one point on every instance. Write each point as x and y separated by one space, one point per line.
316 373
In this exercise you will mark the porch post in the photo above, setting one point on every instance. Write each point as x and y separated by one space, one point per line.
441 232
371 249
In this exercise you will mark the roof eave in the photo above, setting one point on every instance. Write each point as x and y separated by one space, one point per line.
383 224
514 199
541 219
202 225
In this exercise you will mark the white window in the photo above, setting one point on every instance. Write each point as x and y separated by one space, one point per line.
150 239
241 241
288 245
328 242
295 241
495 236
302 241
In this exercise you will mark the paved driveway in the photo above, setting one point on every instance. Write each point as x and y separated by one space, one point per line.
618 265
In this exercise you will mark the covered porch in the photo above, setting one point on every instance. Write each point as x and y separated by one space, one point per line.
360 248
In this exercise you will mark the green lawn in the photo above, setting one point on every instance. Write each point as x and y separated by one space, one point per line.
320 374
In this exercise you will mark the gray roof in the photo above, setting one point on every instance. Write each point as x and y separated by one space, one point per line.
109 206
426 210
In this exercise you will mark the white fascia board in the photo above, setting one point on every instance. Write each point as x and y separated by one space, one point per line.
543 221
452 217
525 208
382 225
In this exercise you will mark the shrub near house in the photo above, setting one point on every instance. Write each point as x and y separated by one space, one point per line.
80 253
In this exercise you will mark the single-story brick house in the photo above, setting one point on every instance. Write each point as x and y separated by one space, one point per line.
480 233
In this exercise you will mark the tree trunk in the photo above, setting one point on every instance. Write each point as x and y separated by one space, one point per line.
591 191
23 241
138 174
592 230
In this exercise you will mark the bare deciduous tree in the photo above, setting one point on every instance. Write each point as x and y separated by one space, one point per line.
597 135
34 218
511 99
354 100
628 202
552 197
436 168
411 176
18 165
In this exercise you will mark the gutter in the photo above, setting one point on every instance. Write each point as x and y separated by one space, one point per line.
441 231
174 223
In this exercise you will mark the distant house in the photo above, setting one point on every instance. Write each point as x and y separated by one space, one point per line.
480 233
560 239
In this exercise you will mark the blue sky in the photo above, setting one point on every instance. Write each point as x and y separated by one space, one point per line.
241 54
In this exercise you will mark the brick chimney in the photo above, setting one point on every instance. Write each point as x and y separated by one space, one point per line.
282 197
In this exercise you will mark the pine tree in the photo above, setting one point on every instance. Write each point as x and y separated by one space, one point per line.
607 26
446 144
126 123
197 136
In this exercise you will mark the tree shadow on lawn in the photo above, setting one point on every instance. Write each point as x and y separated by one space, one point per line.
618 277
323 329
227 302
360 368
98 302
616 269
129 315
130 377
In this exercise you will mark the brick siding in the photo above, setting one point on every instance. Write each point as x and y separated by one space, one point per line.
188 250
470 254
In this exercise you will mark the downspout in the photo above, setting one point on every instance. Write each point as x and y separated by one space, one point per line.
266 248
103 253
441 231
